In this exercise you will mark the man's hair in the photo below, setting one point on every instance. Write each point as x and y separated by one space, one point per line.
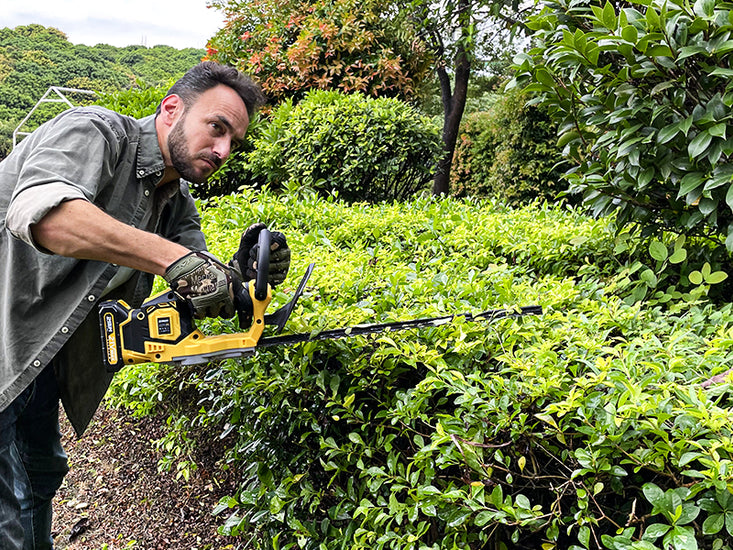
209 74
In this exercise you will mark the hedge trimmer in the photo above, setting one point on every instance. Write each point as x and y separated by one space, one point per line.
162 330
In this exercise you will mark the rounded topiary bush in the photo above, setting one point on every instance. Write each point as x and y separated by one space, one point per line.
362 148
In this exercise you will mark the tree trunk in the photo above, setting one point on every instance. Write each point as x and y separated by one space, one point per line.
453 106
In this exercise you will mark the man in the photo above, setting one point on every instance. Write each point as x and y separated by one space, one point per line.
94 204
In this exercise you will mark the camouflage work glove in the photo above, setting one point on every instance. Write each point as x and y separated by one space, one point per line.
205 283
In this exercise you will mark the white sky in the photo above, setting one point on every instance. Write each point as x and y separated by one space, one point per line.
176 23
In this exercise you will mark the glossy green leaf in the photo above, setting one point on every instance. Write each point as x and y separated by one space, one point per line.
695 277
656 530
713 524
609 16
716 277
704 8
689 51
722 71
654 494
629 33
652 17
691 182
699 144
544 77
719 130
658 50
678 256
667 133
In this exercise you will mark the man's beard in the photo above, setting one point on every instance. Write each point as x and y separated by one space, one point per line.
181 160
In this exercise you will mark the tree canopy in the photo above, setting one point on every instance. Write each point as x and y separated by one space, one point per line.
378 48
293 46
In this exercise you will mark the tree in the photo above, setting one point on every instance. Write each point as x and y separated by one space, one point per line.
643 95
293 46
461 33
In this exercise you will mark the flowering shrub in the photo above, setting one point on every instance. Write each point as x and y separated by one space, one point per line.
294 46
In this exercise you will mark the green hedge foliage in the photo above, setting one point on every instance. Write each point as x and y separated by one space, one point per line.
509 153
358 147
582 428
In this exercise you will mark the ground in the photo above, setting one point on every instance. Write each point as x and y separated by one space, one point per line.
114 496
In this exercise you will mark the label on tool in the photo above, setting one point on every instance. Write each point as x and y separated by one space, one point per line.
110 338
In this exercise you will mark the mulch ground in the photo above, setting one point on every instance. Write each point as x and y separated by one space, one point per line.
114 497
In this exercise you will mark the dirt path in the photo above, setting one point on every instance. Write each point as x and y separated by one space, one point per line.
114 497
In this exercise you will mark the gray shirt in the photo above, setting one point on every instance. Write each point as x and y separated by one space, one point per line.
48 303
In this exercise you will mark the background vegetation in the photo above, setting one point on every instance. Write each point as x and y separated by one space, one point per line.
300 45
34 57
508 151
377 48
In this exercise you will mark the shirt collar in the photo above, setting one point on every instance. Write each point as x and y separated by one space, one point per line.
149 156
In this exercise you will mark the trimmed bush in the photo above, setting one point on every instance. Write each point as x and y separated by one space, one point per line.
358 147
582 428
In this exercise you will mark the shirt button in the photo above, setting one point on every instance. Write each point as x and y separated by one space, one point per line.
91 297
147 192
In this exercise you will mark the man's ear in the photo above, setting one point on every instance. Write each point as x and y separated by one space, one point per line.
171 108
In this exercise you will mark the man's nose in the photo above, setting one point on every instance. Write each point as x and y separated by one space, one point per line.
222 148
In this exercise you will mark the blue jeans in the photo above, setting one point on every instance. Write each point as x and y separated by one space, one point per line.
32 465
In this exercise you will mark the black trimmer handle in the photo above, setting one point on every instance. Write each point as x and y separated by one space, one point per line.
263 264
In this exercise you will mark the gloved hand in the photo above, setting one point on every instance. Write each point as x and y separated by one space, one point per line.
205 282
245 259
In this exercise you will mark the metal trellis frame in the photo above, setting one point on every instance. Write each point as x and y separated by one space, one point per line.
49 97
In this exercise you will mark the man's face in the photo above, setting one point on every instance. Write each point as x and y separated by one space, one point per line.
206 132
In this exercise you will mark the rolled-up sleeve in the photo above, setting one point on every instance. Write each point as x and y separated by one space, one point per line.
71 161
31 205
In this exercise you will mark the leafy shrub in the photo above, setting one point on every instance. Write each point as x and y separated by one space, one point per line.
508 153
642 96
361 148
582 428
293 46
